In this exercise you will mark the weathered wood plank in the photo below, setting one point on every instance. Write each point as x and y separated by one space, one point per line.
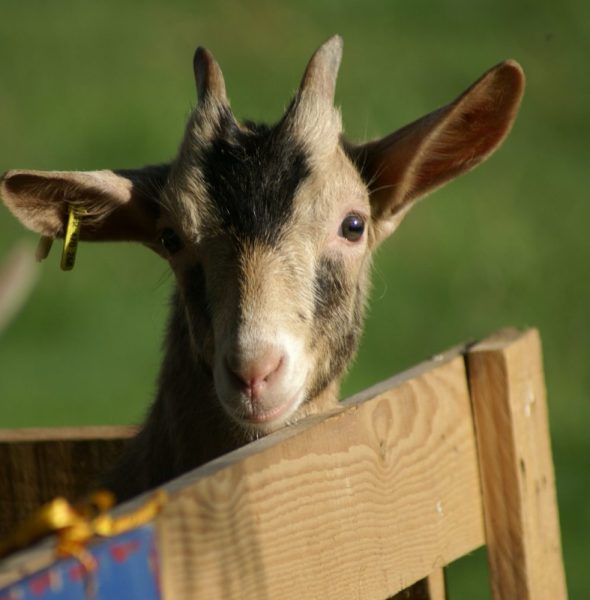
359 504
522 525
36 465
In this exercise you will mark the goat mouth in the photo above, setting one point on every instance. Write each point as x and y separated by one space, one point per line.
272 415
268 415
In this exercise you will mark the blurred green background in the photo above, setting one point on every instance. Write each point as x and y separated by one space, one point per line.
87 85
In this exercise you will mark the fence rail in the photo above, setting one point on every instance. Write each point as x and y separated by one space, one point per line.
383 492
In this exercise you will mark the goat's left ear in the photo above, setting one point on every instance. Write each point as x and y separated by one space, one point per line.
415 160
114 205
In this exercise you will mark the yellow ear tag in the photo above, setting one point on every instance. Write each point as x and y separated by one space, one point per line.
68 256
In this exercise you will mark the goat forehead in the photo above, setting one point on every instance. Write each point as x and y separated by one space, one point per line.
251 176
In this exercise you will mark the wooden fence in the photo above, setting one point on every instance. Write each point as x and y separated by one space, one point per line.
376 497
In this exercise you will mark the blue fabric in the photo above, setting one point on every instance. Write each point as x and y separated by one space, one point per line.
127 569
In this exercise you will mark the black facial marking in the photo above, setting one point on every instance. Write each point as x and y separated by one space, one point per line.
195 291
338 319
252 176
170 241
329 288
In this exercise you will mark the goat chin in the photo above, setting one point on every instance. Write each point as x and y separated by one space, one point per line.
265 414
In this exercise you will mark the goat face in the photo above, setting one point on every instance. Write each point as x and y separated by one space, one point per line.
269 230
269 233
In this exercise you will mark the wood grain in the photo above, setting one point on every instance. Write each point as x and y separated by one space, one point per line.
375 497
522 524
436 585
37 465
429 588
359 504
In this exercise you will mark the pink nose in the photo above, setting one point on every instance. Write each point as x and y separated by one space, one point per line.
256 375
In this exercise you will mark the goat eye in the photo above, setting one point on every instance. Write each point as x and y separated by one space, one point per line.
352 227
170 241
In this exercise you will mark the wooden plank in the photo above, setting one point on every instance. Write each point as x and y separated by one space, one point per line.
429 588
522 526
357 504
67 434
435 584
36 465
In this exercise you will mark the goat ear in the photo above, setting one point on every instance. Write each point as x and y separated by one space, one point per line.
208 77
415 160
115 205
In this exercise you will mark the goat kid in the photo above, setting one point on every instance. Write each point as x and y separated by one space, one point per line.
269 231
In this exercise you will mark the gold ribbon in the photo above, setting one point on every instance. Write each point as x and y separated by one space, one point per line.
76 525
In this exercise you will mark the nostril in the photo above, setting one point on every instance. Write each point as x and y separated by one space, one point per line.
234 373
255 374
272 367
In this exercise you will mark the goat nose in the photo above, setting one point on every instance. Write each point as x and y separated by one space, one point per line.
253 376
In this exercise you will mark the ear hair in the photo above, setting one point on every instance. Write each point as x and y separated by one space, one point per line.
117 205
417 159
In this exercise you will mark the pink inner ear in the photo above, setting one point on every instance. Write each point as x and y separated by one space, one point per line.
426 154
462 143
474 127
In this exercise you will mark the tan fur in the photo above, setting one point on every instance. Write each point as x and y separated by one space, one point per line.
185 197
317 126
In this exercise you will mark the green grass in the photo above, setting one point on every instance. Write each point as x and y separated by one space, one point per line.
109 84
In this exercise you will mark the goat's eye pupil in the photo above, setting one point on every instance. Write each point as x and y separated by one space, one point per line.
353 227
170 241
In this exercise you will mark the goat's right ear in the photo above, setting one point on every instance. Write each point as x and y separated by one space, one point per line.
114 205
417 159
